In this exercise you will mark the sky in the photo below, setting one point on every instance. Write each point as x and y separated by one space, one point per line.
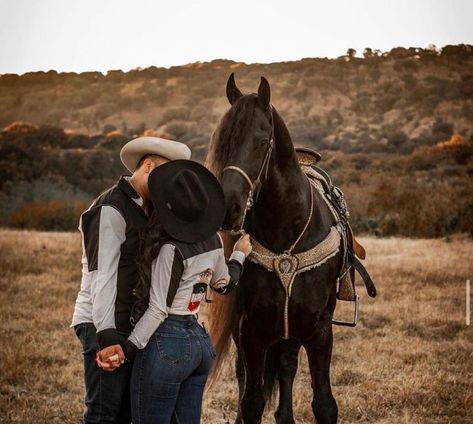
99 35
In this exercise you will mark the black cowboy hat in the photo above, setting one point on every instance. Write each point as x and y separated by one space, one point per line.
188 199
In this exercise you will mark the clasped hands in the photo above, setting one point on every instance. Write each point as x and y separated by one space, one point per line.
110 358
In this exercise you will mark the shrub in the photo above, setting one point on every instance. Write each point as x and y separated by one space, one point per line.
53 215
397 139
15 194
200 112
458 147
108 128
80 141
176 113
48 135
138 130
442 130
20 127
177 129
415 208
424 158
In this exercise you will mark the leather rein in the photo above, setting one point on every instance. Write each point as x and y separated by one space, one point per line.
255 187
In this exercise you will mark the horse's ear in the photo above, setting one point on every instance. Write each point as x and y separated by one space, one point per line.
233 93
264 93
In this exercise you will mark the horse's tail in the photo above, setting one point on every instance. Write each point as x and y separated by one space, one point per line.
222 316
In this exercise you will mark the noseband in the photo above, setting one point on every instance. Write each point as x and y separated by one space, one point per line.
254 186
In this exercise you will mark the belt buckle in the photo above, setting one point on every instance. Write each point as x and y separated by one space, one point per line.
354 321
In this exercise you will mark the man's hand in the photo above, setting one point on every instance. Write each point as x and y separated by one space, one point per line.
243 244
110 358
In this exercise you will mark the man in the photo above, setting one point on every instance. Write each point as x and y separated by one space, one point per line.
110 231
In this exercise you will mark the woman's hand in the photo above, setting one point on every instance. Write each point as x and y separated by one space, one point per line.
243 244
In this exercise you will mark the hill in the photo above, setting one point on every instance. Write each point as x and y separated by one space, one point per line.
381 122
347 103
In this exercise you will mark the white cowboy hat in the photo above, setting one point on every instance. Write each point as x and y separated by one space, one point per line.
135 149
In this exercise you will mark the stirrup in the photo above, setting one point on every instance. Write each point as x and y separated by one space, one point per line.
355 314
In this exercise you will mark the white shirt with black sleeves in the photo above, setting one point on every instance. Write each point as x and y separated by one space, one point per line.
180 276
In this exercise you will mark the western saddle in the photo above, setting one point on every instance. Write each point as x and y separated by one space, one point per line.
346 289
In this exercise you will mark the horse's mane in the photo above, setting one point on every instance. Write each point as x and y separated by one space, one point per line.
224 141
222 312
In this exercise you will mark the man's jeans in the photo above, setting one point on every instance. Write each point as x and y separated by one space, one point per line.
107 397
169 375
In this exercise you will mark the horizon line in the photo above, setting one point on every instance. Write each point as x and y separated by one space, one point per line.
358 55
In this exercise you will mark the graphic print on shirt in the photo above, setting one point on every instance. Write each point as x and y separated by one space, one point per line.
199 290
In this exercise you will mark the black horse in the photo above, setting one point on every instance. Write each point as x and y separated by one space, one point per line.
253 138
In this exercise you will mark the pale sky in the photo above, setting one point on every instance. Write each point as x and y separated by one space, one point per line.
83 35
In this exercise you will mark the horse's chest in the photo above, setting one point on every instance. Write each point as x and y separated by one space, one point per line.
287 267
260 288
285 291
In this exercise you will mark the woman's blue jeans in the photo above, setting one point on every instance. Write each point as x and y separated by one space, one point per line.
170 373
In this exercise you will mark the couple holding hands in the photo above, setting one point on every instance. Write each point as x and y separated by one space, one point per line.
150 251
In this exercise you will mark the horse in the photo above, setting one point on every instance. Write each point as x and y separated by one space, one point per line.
270 197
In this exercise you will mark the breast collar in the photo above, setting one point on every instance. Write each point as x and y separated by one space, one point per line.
288 265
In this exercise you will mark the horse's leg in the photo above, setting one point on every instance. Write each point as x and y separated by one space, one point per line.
253 349
319 353
287 368
240 374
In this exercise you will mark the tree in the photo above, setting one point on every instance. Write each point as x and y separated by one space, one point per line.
432 48
442 130
108 128
48 135
368 53
351 53
397 139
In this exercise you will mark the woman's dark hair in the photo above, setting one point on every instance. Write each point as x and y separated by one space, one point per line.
153 237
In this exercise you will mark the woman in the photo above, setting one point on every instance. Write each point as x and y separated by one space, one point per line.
183 255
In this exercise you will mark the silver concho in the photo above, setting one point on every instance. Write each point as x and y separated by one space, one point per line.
285 266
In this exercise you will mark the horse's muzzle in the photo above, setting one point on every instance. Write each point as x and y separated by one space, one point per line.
233 217
234 212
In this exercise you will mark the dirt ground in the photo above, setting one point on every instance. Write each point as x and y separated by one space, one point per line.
410 359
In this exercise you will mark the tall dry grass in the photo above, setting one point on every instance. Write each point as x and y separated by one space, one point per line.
409 360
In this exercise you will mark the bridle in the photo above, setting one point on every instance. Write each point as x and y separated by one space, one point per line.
254 186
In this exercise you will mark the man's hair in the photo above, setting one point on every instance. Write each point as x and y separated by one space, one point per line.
147 156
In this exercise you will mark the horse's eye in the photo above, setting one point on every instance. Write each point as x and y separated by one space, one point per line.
264 141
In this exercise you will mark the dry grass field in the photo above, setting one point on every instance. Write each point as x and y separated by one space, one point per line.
410 359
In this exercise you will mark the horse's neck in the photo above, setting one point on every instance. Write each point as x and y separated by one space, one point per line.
283 206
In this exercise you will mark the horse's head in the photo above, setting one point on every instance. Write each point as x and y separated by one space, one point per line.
242 146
